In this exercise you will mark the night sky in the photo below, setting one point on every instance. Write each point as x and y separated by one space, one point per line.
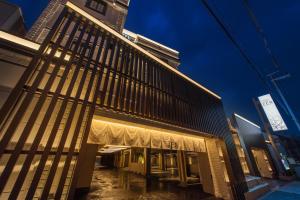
208 56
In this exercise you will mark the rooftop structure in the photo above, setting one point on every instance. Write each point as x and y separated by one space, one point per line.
160 51
111 12
11 19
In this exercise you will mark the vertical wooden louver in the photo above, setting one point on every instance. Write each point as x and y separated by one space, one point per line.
80 67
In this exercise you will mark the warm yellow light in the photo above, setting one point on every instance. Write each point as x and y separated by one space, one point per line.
190 160
117 146
58 54
172 162
111 133
182 129
18 40
107 28
67 57
139 126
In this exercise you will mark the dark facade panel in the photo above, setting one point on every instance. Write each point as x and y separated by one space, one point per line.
251 137
292 146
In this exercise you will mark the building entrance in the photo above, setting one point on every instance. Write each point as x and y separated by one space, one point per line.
158 155
262 162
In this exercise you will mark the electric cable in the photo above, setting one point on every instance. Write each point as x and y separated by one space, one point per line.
234 42
263 36
241 50
261 33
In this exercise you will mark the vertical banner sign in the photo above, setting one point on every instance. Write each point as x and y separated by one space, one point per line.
272 113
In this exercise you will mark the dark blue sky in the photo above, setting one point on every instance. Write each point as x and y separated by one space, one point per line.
207 55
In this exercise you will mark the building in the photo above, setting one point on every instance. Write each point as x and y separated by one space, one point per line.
255 157
260 154
166 54
87 94
292 147
11 19
288 159
111 12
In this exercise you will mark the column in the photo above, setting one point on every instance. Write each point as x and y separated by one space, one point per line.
147 164
182 168
86 168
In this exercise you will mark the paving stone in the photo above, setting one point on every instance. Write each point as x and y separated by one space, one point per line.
122 185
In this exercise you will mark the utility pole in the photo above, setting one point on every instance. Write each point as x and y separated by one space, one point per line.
278 163
262 76
290 111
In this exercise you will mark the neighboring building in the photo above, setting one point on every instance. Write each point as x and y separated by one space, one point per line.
292 147
256 158
87 92
253 140
166 54
12 66
111 12
11 19
289 153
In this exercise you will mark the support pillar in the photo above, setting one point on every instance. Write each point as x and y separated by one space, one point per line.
86 168
162 160
221 188
181 161
147 164
205 174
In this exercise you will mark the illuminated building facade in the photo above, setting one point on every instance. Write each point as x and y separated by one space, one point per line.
85 88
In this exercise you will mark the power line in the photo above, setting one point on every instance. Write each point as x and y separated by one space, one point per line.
261 33
242 51
234 42
275 62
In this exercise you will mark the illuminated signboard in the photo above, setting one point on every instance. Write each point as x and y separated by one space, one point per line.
272 113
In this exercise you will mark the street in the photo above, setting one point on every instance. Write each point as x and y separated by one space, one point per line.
290 191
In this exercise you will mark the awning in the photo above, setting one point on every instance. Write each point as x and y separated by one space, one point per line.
110 133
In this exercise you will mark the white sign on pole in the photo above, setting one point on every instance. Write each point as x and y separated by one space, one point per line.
272 113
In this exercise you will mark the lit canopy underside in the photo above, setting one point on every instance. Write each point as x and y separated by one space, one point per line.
110 133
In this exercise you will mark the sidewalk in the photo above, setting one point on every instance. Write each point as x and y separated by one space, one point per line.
290 191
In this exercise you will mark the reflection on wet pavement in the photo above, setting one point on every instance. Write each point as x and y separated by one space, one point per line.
108 184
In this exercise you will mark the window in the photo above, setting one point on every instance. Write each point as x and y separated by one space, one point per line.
137 155
97 5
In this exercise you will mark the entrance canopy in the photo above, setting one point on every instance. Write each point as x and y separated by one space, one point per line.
112 133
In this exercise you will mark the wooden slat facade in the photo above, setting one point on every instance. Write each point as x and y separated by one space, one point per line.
47 120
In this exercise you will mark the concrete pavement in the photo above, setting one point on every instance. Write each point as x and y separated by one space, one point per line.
289 191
